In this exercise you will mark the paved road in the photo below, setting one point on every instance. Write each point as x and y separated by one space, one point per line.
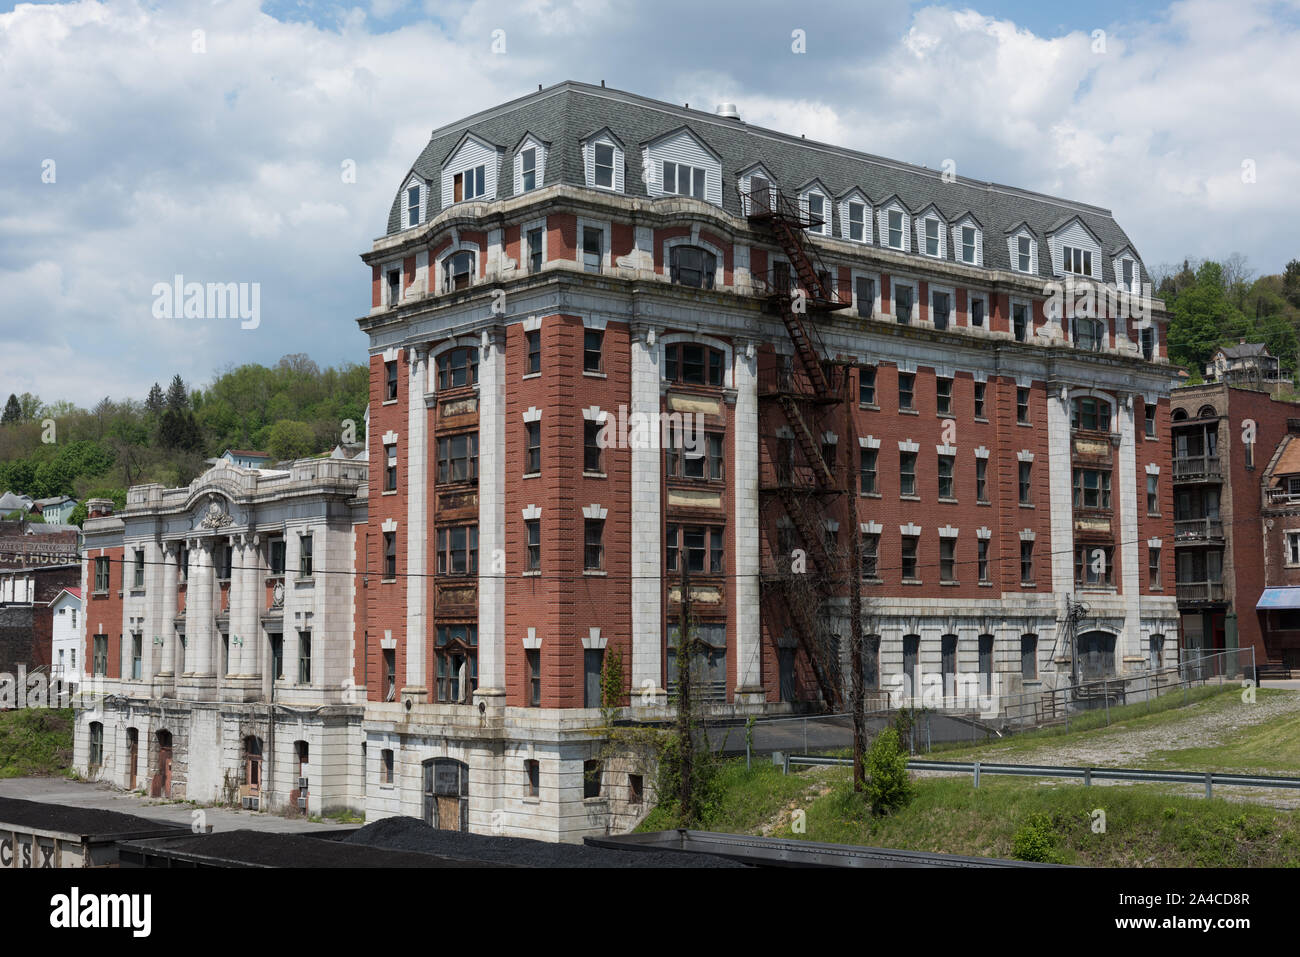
82 794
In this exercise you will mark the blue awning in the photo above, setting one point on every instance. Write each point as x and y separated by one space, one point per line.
1279 598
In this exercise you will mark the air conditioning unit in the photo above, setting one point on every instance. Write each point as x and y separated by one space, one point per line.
302 784
302 803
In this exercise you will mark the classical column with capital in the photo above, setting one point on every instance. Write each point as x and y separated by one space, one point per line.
647 529
749 675
416 532
491 518
200 623
165 625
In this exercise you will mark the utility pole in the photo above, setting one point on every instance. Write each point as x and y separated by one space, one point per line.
686 746
1075 611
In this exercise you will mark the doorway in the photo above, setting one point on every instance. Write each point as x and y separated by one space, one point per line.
446 794
161 786
132 756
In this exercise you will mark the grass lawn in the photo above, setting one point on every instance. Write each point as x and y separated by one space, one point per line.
1272 747
35 742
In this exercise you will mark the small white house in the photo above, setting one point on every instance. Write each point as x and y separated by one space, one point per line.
65 655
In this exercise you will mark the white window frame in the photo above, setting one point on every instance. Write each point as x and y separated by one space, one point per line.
1013 250
971 299
677 175
923 237
529 142
414 182
805 205
959 243
854 275
1293 547
885 211
384 270
583 226
525 263
459 246
894 283
846 223
589 149
952 305
746 184
1084 257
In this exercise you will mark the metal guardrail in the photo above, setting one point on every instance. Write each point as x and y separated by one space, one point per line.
1087 775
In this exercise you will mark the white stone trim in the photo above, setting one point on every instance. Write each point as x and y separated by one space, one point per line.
594 322
533 323
907 445
981 453
1024 455
390 354
909 529
1154 543
531 512
830 438
983 532
869 442
593 414
831 525
388 642
594 640
1028 534
594 511
390 438
784 432
532 414
531 641
946 449
947 531
389 525
870 528
1153 469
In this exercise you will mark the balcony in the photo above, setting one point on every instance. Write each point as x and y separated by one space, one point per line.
1197 467
1197 530
1202 592
1282 497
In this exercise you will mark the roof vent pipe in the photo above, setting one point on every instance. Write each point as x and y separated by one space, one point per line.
728 111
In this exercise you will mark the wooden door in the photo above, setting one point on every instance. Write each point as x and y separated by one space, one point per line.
132 756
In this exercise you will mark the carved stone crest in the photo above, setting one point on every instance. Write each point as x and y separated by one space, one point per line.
215 517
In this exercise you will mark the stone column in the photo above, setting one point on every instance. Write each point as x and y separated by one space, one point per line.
1131 498
647 525
200 625
416 530
491 519
1059 474
165 625
749 675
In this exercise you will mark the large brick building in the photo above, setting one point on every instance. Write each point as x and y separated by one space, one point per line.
872 350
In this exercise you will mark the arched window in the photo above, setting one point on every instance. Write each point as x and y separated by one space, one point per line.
1179 415
1090 414
96 745
693 364
457 367
1207 412
693 266
458 270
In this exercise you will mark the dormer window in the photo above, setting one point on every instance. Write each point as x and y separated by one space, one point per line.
683 180
413 206
932 237
1076 260
857 222
604 165
470 184
1127 274
968 245
895 229
528 168
458 271
818 210
692 266
1023 251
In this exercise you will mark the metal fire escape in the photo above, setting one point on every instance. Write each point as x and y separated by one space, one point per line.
812 396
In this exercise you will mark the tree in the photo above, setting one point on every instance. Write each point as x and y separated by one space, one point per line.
178 399
155 403
13 411
288 439
1291 282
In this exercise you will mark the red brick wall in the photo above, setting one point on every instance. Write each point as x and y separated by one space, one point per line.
104 610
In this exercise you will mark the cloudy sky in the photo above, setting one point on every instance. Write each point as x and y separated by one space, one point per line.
224 163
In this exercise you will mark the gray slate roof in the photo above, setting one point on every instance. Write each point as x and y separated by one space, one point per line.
566 113
1244 350
10 502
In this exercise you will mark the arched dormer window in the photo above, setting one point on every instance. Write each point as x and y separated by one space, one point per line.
1090 414
693 266
458 270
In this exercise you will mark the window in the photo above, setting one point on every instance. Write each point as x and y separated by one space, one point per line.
593 559
137 571
101 574
1027 563
225 562
1029 657
390 673
456 650
1090 414
304 657
1022 253
533 339
533 658
857 222
185 564
867 469
390 467
458 271
683 180
1020 321
702 545
96 758
593 341
1024 482
533 774
982 480
1147 340
870 556
1091 488
99 663
604 165
458 458
394 287
457 368
940 306
932 237
693 364
413 206
1076 260
535 250
533 544
1126 270
864 290
906 473
1153 567
458 550
386 766
982 558
947 559
591 771
906 384
1293 548
980 388
977 312
304 556
895 229
903 304
532 448
692 266
704 462
828 455
470 184
592 453
635 789
1250 454
968 244
137 656
817 211
592 249
943 394
390 381
909 557
1092 566
528 165
593 664
867 385
946 484
390 556
1022 406
1153 495
1149 414
1089 334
